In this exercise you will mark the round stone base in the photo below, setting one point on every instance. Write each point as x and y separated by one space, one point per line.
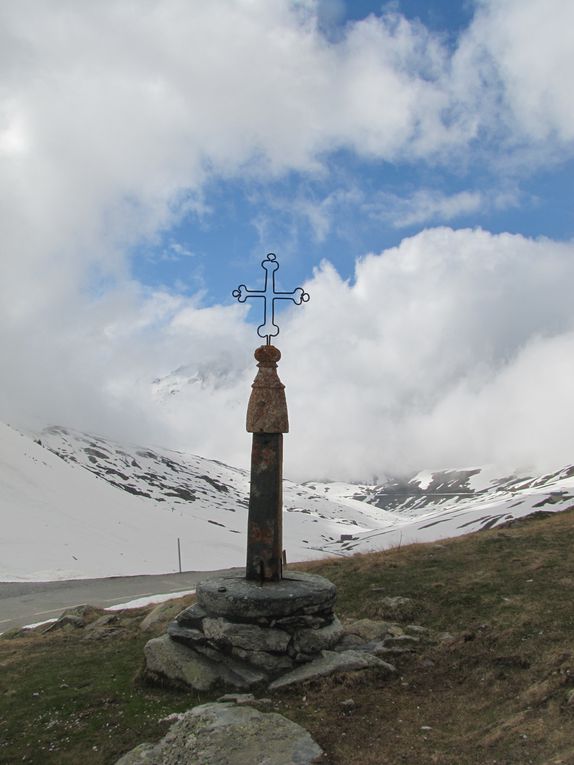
233 596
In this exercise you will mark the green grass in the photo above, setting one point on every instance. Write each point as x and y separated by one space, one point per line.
495 692
64 699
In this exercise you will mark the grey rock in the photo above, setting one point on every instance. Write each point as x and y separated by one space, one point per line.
86 611
380 648
248 636
104 627
233 596
269 662
105 621
141 755
215 654
66 620
228 734
368 629
310 641
303 621
348 642
237 698
192 617
187 635
417 630
330 663
301 658
244 698
181 666
401 640
177 664
398 608
162 613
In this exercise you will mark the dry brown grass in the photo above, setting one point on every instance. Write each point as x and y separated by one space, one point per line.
497 692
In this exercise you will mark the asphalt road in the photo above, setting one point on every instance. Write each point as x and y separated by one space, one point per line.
24 603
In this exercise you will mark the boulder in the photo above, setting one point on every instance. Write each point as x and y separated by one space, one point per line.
180 666
227 734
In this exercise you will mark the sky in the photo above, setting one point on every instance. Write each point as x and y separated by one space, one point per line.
411 164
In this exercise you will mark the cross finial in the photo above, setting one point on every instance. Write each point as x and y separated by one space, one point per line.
269 329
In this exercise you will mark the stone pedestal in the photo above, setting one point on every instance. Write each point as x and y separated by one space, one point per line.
258 631
242 635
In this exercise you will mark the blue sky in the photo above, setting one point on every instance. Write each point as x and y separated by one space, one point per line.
540 204
411 164
358 202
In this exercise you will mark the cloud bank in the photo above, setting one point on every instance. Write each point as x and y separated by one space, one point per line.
454 348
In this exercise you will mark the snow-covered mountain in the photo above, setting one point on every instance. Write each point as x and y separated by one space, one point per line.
74 505
77 505
446 503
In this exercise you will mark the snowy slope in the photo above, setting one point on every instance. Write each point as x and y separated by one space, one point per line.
61 521
76 505
448 503
334 517
211 492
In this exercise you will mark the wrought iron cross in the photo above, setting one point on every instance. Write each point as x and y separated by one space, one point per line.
269 329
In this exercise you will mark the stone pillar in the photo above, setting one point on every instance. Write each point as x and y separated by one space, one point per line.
267 419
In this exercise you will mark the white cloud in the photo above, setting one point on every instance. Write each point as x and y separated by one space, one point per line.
434 206
113 114
424 206
400 368
454 348
530 43
109 111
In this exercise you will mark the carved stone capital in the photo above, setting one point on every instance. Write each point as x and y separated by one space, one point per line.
267 408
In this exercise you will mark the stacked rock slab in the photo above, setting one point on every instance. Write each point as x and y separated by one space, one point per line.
249 633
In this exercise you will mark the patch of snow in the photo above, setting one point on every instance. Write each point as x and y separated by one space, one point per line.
38 624
148 600
423 479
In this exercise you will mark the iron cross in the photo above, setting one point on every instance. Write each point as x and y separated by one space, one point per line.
269 329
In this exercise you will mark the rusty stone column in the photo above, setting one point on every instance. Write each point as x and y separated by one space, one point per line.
267 419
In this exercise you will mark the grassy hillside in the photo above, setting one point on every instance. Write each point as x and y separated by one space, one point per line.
494 685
